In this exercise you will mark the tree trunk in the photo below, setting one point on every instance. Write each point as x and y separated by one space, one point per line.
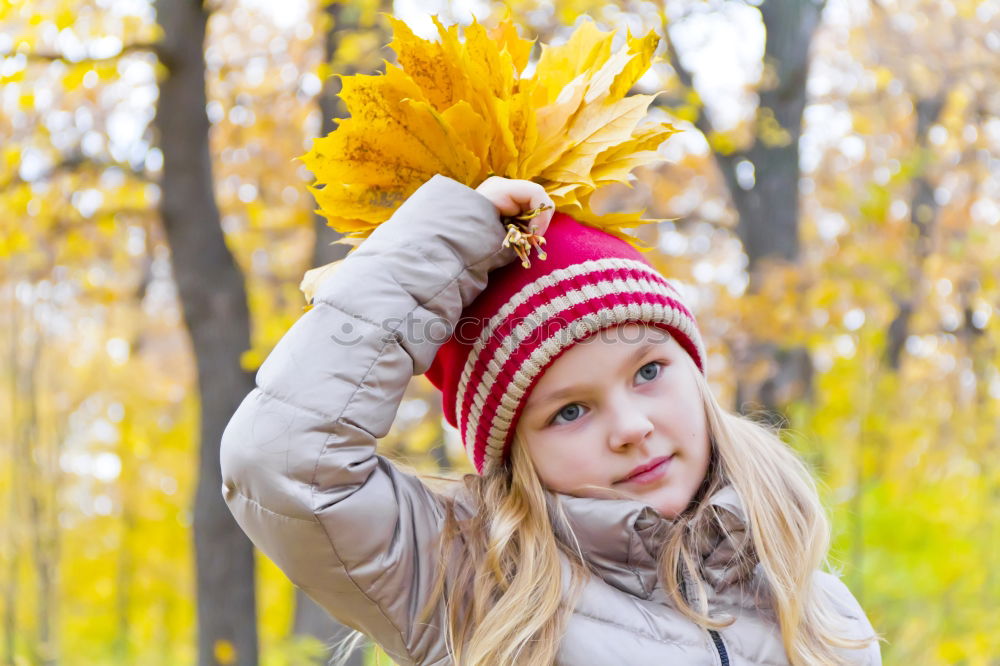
768 203
11 593
215 311
769 209
923 216
38 479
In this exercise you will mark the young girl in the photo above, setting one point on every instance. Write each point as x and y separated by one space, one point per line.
620 516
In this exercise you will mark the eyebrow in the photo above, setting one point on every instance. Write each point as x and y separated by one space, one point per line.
574 389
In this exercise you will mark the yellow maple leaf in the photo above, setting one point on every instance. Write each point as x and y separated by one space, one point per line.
617 162
586 50
460 106
505 34
427 63
597 128
642 50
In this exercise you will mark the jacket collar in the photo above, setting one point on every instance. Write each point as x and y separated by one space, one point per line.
621 540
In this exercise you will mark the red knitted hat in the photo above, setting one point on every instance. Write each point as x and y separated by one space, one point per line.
527 317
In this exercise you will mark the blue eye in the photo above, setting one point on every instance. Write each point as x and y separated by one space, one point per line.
650 371
569 413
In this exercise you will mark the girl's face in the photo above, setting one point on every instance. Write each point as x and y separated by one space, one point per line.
620 414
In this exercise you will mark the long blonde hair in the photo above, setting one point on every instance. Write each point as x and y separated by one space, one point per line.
501 574
501 569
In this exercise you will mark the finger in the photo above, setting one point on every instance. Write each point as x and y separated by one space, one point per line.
507 204
498 191
527 194
521 191
517 196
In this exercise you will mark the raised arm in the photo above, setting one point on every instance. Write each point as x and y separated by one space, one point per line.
300 472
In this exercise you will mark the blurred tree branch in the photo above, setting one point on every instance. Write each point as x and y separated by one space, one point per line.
43 56
73 162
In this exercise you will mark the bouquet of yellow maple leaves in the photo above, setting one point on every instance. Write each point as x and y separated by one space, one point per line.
464 109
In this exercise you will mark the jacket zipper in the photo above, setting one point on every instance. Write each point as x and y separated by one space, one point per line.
719 646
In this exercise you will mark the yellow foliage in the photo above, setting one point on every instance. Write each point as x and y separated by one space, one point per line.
354 46
73 79
883 77
722 142
251 359
770 131
224 652
461 108
15 76
11 157
13 242
423 436
65 18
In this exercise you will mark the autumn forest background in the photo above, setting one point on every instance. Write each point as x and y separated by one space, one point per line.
833 215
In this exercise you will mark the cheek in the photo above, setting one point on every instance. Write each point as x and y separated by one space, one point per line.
687 411
683 421
695 433
696 428
562 463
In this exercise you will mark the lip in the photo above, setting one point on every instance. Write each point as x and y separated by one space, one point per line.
654 470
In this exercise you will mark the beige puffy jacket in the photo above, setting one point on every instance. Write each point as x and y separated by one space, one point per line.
301 475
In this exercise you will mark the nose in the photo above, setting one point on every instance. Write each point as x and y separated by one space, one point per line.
630 425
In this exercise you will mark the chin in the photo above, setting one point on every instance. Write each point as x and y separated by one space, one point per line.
670 512
668 504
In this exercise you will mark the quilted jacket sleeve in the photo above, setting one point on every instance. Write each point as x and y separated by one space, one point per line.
300 471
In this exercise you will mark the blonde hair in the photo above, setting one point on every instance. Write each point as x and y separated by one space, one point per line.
789 536
501 567
501 570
